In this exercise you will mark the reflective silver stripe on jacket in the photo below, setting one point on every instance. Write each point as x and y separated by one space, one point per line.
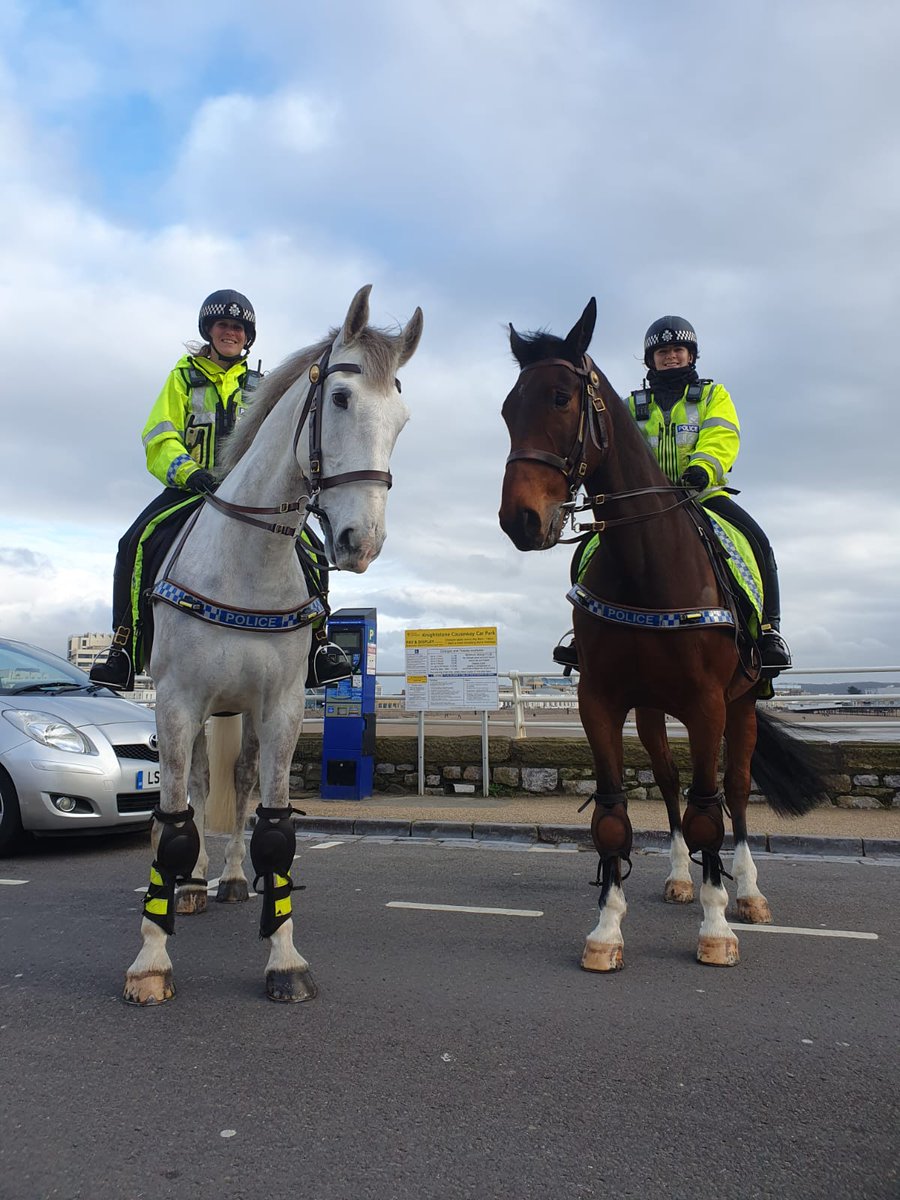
718 473
722 422
162 427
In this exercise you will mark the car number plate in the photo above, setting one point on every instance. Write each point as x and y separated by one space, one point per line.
147 779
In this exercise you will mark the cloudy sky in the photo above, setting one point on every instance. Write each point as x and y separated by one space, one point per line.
734 163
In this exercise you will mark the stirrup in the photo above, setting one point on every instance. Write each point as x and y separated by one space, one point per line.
774 651
117 672
566 656
328 664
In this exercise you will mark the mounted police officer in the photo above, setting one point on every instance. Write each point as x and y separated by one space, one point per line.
692 428
194 413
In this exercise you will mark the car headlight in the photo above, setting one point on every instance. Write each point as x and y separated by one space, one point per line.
48 730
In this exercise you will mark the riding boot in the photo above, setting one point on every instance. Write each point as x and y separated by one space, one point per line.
117 671
327 663
774 650
566 656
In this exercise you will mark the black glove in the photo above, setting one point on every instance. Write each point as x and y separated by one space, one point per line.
202 482
695 478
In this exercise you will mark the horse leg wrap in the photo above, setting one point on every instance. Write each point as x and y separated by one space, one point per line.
176 856
611 830
272 853
702 824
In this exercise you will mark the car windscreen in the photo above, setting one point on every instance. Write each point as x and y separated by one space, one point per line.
28 668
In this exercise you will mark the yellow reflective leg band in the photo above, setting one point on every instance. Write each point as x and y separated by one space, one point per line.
159 903
282 903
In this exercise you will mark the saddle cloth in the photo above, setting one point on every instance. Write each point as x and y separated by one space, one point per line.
741 561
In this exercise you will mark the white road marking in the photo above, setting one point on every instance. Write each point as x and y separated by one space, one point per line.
463 908
836 933
324 846
12 882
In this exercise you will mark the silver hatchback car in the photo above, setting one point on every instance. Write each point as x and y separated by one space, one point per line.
74 757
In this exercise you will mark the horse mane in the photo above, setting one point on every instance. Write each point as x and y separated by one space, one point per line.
538 344
380 349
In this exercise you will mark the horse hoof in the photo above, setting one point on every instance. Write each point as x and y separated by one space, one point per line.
678 891
754 910
232 891
148 988
718 951
190 900
291 987
602 956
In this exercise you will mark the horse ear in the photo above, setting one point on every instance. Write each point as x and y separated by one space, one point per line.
357 317
516 344
579 337
409 337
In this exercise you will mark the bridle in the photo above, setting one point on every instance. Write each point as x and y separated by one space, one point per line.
315 482
592 424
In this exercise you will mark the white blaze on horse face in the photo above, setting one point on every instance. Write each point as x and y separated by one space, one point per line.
360 424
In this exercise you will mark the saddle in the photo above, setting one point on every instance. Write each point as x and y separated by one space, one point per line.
153 548
734 563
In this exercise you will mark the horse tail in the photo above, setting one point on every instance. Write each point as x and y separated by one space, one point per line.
223 743
788 771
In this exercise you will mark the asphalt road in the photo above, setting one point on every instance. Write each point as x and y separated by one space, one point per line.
449 1054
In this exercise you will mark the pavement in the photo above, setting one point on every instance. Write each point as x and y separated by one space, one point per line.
555 819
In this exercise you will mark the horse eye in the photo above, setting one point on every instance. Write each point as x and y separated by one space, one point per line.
397 382
341 397
561 399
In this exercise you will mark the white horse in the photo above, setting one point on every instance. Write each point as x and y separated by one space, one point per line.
321 427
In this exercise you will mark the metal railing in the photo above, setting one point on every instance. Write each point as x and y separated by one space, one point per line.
518 698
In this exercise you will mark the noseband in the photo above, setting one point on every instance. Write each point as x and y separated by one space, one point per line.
590 422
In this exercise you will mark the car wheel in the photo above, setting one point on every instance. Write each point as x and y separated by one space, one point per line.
10 817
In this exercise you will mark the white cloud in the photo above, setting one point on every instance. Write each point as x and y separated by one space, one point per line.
492 163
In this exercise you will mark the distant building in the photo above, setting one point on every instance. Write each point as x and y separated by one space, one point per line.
84 648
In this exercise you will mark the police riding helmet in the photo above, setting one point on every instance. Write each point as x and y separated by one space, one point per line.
670 331
227 305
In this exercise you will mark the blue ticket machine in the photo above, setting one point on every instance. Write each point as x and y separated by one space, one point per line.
348 729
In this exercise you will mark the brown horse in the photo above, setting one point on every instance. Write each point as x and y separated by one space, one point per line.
656 630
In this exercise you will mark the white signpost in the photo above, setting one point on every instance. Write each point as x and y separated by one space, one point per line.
451 670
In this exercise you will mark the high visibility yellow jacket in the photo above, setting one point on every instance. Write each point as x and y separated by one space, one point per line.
197 407
699 430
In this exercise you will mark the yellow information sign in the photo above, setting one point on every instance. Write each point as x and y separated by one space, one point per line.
449 669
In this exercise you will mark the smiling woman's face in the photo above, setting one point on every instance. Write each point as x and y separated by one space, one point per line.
227 338
668 357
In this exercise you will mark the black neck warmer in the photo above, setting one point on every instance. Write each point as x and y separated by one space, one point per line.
668 386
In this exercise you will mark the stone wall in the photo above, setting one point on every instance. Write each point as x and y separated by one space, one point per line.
859 774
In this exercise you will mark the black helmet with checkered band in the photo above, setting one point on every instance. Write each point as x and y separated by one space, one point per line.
670 331
227 305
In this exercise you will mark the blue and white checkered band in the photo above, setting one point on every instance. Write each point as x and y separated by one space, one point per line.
738 563
641 618
238 618
232 310
671 335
